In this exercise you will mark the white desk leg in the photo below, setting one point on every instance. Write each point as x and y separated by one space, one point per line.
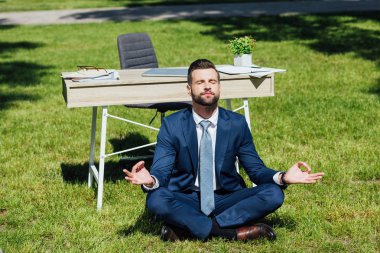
246 112
102 157
92 147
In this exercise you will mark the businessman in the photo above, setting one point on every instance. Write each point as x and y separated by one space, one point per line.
193 185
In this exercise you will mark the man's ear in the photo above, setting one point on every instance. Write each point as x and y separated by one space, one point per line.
188 90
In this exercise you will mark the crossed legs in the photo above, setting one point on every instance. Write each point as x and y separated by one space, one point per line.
232 209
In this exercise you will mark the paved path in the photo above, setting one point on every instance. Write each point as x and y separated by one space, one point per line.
186 11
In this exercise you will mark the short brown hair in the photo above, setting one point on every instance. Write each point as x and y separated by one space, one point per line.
200 64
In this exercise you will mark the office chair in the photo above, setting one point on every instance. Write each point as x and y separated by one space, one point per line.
136 51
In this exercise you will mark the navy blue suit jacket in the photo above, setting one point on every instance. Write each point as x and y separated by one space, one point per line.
175 162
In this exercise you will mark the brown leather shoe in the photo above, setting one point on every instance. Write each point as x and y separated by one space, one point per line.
256 231
172 234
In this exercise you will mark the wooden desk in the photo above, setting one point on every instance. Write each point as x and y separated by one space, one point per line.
133 88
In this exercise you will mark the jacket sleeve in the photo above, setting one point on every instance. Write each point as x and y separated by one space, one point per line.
251 161
164 155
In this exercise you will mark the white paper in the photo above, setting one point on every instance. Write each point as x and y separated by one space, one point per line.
253 70
111 76
91 73
234 70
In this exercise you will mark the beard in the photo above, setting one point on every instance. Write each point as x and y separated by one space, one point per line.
200 100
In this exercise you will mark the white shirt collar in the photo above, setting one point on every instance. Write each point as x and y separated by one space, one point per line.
213 119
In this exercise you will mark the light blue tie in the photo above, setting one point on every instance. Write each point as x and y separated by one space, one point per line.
206 170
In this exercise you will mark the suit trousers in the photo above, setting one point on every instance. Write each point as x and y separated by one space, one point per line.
232 209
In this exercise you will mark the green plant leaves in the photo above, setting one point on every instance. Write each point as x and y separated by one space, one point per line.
242 45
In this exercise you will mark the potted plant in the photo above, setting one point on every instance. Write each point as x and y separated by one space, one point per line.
242 48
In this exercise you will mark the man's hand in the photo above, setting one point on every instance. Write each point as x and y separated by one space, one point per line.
297 176
139 175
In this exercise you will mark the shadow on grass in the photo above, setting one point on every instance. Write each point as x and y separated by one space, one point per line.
177 10
131 140
146 223
282 221
376 88
137 3
5 27
78 173
7 48
7 100
20 73
15 74
328 33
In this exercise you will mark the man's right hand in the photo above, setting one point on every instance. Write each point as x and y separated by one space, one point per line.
139 175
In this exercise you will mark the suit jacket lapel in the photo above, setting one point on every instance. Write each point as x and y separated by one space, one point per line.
222 138
190 134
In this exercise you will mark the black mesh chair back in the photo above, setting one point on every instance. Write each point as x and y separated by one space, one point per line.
136 51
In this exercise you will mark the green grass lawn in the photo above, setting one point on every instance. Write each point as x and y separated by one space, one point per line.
326 111
29 5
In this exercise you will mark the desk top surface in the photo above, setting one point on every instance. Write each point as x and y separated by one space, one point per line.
134 77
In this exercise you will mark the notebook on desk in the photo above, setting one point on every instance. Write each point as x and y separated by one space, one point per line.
166 72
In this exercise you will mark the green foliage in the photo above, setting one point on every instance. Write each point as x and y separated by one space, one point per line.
242 45
325 111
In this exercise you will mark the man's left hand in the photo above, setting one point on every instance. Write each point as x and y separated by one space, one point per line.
295 175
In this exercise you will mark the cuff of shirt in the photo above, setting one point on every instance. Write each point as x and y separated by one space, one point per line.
275 178
155 186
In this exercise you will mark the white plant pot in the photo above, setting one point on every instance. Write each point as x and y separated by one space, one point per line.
243 60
